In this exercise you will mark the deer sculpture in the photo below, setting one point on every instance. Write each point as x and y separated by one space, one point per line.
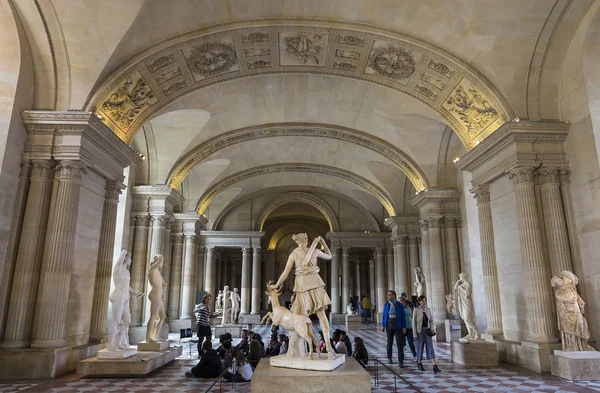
281 316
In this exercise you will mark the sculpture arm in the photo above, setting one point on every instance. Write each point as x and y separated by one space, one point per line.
581 304
136 294
457 284
324 255
286 271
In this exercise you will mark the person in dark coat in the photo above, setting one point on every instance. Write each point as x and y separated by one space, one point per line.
209 366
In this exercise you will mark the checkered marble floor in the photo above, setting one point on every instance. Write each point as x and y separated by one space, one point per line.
454 378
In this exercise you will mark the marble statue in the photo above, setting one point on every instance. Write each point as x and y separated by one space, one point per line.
156 297
570 308
309 288
464 301
235 305
219 303
450 304
226 313
419 280
350 309
118 331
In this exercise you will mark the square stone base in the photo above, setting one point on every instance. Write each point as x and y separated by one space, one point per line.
476 353
454 329
138 333
337 319
249 318
576 366
175 325
440 333
353 322
532 356
323 363
138 365
124 354
234 330
349 377
43 363
153 347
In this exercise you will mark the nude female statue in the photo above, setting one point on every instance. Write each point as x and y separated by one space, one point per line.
156 295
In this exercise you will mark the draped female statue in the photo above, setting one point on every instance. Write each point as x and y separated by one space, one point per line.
464 302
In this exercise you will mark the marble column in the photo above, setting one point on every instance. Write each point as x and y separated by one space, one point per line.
200 268
390 268
372 281
257 289
402 275
23 296
345 278
358 288
106 246
245 292
425 255
452 261
557 237
437 288
335 274
138 267
540 303
176 273
188 287
53 293
232 275
380 278
167 251
488 261
413 251
209 277
157 244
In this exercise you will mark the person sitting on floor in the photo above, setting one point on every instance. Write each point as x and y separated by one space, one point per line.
360 352
340 346
344 337
227 357
284 342
209 365
255 350
240 370
243 344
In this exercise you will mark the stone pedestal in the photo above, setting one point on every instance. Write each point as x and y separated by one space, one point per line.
323 363
138 333
124 354
138 365
153 347
350 377
454 329
175 325
234 330
476 353
532 356
576 366
337 319
249 318
353 322
440 332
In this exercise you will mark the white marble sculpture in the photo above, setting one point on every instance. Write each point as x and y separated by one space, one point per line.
226 310
309 288
235 305
156 297
118 331
219 303
450 304
350 309
570 308
419 281
464 301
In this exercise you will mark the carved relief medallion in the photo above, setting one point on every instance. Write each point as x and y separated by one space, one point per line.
390 61
212 58
306 49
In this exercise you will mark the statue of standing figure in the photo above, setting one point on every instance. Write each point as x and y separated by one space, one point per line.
464 301
419 281
156 297
235 305
570 307
226 317
219 303
118 330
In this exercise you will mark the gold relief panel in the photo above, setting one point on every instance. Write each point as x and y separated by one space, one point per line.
302 48
250 52
347 54
128 101
392 62
209 59
471 108
433 81
168 75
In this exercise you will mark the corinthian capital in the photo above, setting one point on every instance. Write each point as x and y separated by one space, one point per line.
70 169
522 175
481 194
549 175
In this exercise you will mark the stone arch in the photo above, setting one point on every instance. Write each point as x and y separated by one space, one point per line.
368 216
183 167
449 81
302 197
373 189
591 75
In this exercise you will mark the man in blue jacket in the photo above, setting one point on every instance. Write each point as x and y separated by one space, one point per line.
394 324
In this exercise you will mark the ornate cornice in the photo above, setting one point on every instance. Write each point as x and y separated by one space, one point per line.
172 68
435 195
227 182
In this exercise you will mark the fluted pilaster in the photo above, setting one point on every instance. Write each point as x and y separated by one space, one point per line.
29 257
380 278
138 267
157 244
436 295
209 279
57 261
106 246
245 292
488 261
413 251
345 276
557 237
425 255
256 280
201 268
335 275
372 293
452 260
540 303
389 267
401 271
358 279
189 266
176 275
